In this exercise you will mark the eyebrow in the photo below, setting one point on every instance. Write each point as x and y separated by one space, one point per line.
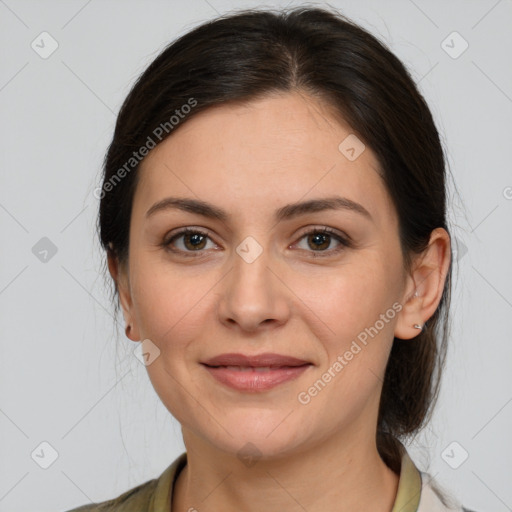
286 212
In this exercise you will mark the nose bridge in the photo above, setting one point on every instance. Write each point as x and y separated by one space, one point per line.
251 262
252 293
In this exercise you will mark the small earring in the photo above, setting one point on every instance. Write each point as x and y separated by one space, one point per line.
417 326
127 329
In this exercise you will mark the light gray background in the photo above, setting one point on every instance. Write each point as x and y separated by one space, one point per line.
65 380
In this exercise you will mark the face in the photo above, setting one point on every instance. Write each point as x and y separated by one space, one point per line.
254 282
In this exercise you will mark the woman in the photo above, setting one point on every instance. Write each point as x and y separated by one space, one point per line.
274 215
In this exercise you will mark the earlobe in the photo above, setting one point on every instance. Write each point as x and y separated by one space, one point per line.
120 276
410 321
426 283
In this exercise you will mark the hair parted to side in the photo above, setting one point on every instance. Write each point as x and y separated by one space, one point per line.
248 54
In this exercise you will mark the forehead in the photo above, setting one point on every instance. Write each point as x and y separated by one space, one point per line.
260 155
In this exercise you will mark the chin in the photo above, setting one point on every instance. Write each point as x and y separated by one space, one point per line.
256 437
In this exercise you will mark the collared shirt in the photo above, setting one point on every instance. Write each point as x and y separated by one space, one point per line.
416 493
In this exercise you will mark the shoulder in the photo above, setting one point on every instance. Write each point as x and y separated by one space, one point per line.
134 500
150 496
435 499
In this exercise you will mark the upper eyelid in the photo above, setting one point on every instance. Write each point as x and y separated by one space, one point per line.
344 238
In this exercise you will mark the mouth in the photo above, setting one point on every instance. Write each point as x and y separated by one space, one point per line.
262 369
266 360
255 373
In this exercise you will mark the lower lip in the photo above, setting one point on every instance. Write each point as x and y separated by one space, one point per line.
256 380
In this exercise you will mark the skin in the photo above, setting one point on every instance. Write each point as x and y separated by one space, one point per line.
251 160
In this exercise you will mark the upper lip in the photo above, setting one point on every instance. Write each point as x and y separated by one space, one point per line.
260 360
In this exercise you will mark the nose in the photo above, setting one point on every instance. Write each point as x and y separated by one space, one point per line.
253 296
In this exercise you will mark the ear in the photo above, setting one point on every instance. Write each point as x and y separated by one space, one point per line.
424 286
120 276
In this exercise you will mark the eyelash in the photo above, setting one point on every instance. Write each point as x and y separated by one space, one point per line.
345 242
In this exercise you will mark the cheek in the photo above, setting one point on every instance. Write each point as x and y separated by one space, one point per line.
355 346
349 299
170 312
166 303
357 318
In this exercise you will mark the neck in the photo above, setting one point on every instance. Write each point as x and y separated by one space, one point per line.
340 474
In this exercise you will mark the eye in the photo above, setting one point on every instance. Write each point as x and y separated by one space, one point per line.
193 240
320 239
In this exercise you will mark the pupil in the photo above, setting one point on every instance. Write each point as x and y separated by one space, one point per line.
319 239
195 239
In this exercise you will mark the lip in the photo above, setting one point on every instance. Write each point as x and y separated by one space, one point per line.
260 360
255 373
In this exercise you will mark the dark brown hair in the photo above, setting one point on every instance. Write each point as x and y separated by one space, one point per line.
248 54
